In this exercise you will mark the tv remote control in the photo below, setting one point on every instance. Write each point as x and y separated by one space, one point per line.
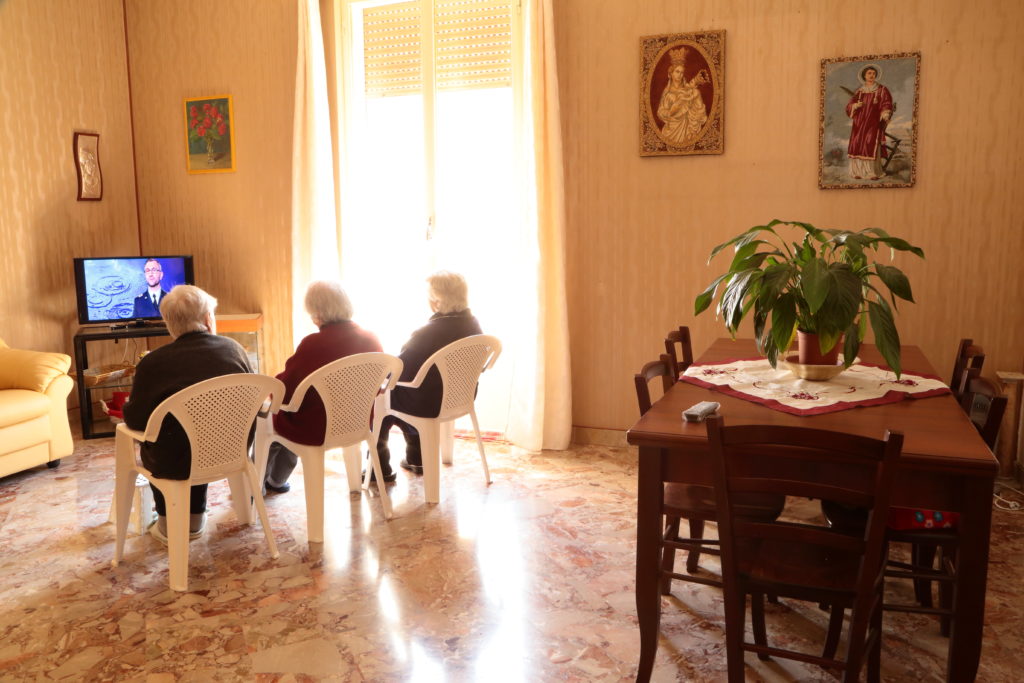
698 412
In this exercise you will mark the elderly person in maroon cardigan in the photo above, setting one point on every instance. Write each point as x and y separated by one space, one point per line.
331 311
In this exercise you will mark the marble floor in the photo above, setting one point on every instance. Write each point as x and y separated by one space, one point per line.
530 579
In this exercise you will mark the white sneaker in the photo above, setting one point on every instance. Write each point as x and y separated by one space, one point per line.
156 532
159 534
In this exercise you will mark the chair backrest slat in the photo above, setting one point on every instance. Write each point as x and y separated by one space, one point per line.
984 402
656 368
683 358
798 533
792 487
968 355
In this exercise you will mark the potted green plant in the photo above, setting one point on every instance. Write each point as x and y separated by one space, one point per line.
827 284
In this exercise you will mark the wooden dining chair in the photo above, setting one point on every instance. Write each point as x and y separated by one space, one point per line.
968 355
798 560
694 503
984 403
679 349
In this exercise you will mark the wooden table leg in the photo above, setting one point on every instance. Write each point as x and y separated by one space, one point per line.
648 556
969 593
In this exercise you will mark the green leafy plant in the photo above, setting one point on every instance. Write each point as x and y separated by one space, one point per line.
828 283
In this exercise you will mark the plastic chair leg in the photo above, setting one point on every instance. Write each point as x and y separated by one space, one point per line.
480 445
261 509
261 447
241 497
124 489
313 476
447 442
385 499
176 495
353 462
428 430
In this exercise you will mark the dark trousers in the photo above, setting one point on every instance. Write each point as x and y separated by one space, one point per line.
412 443
196 500
280 463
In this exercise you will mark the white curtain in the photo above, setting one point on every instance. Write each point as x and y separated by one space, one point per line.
541 415
315 252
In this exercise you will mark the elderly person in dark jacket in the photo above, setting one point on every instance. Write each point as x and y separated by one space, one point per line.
447 294
331 310
196 354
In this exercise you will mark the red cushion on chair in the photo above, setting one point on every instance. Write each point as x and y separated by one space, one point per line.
912 518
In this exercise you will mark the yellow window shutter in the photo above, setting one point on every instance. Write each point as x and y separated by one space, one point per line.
472 43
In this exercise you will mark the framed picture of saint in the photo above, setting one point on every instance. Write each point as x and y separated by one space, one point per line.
682 93
868 121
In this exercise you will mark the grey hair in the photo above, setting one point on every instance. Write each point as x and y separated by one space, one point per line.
448 291
185 309
327 301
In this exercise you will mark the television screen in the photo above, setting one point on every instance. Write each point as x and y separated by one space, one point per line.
119 288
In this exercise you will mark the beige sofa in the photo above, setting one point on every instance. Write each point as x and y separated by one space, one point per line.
34 429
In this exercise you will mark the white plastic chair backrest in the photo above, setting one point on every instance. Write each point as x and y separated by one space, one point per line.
348 387
217 415
460 364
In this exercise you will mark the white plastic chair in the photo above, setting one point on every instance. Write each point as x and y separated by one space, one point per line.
460 364
348 388
217 415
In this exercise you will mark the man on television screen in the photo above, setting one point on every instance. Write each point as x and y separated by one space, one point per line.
147 304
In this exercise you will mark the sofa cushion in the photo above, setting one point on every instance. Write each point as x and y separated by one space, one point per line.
19 405
31 370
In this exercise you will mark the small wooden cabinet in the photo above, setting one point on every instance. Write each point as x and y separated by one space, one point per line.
244 328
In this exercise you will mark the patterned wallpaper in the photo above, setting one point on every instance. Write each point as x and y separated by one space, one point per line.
237 225
62 69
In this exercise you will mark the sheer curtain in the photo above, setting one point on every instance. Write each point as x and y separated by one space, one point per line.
525 248
315 252
541 415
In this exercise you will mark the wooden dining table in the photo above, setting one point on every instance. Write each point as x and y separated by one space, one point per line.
945 466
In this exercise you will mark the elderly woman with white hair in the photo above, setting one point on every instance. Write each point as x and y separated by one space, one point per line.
196 354
331 311
448 296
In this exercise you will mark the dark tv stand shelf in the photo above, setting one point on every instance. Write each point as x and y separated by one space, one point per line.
102 333
244 328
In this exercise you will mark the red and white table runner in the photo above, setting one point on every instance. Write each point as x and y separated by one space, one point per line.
862 384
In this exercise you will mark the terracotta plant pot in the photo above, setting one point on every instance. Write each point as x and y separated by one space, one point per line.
809 349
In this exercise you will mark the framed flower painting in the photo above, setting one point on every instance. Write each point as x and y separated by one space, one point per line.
867 136
209 134
682 94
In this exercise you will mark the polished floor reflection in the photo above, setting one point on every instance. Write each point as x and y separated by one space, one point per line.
530 579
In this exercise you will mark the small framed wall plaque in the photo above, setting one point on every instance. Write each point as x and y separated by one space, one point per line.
86 147
682 93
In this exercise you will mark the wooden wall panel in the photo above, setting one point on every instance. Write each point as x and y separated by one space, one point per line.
640 229
237 225
62 69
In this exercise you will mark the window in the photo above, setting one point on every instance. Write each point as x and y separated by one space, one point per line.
429 168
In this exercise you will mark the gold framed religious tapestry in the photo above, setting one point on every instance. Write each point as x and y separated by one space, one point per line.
867 136
682 93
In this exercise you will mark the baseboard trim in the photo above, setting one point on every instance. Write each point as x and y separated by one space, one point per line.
592 436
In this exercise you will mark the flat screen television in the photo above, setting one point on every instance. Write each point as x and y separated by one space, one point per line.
118 289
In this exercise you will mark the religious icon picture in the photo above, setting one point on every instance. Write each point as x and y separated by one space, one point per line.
682 94
868 116
86 147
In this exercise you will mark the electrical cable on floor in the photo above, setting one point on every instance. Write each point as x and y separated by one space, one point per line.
1001 503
